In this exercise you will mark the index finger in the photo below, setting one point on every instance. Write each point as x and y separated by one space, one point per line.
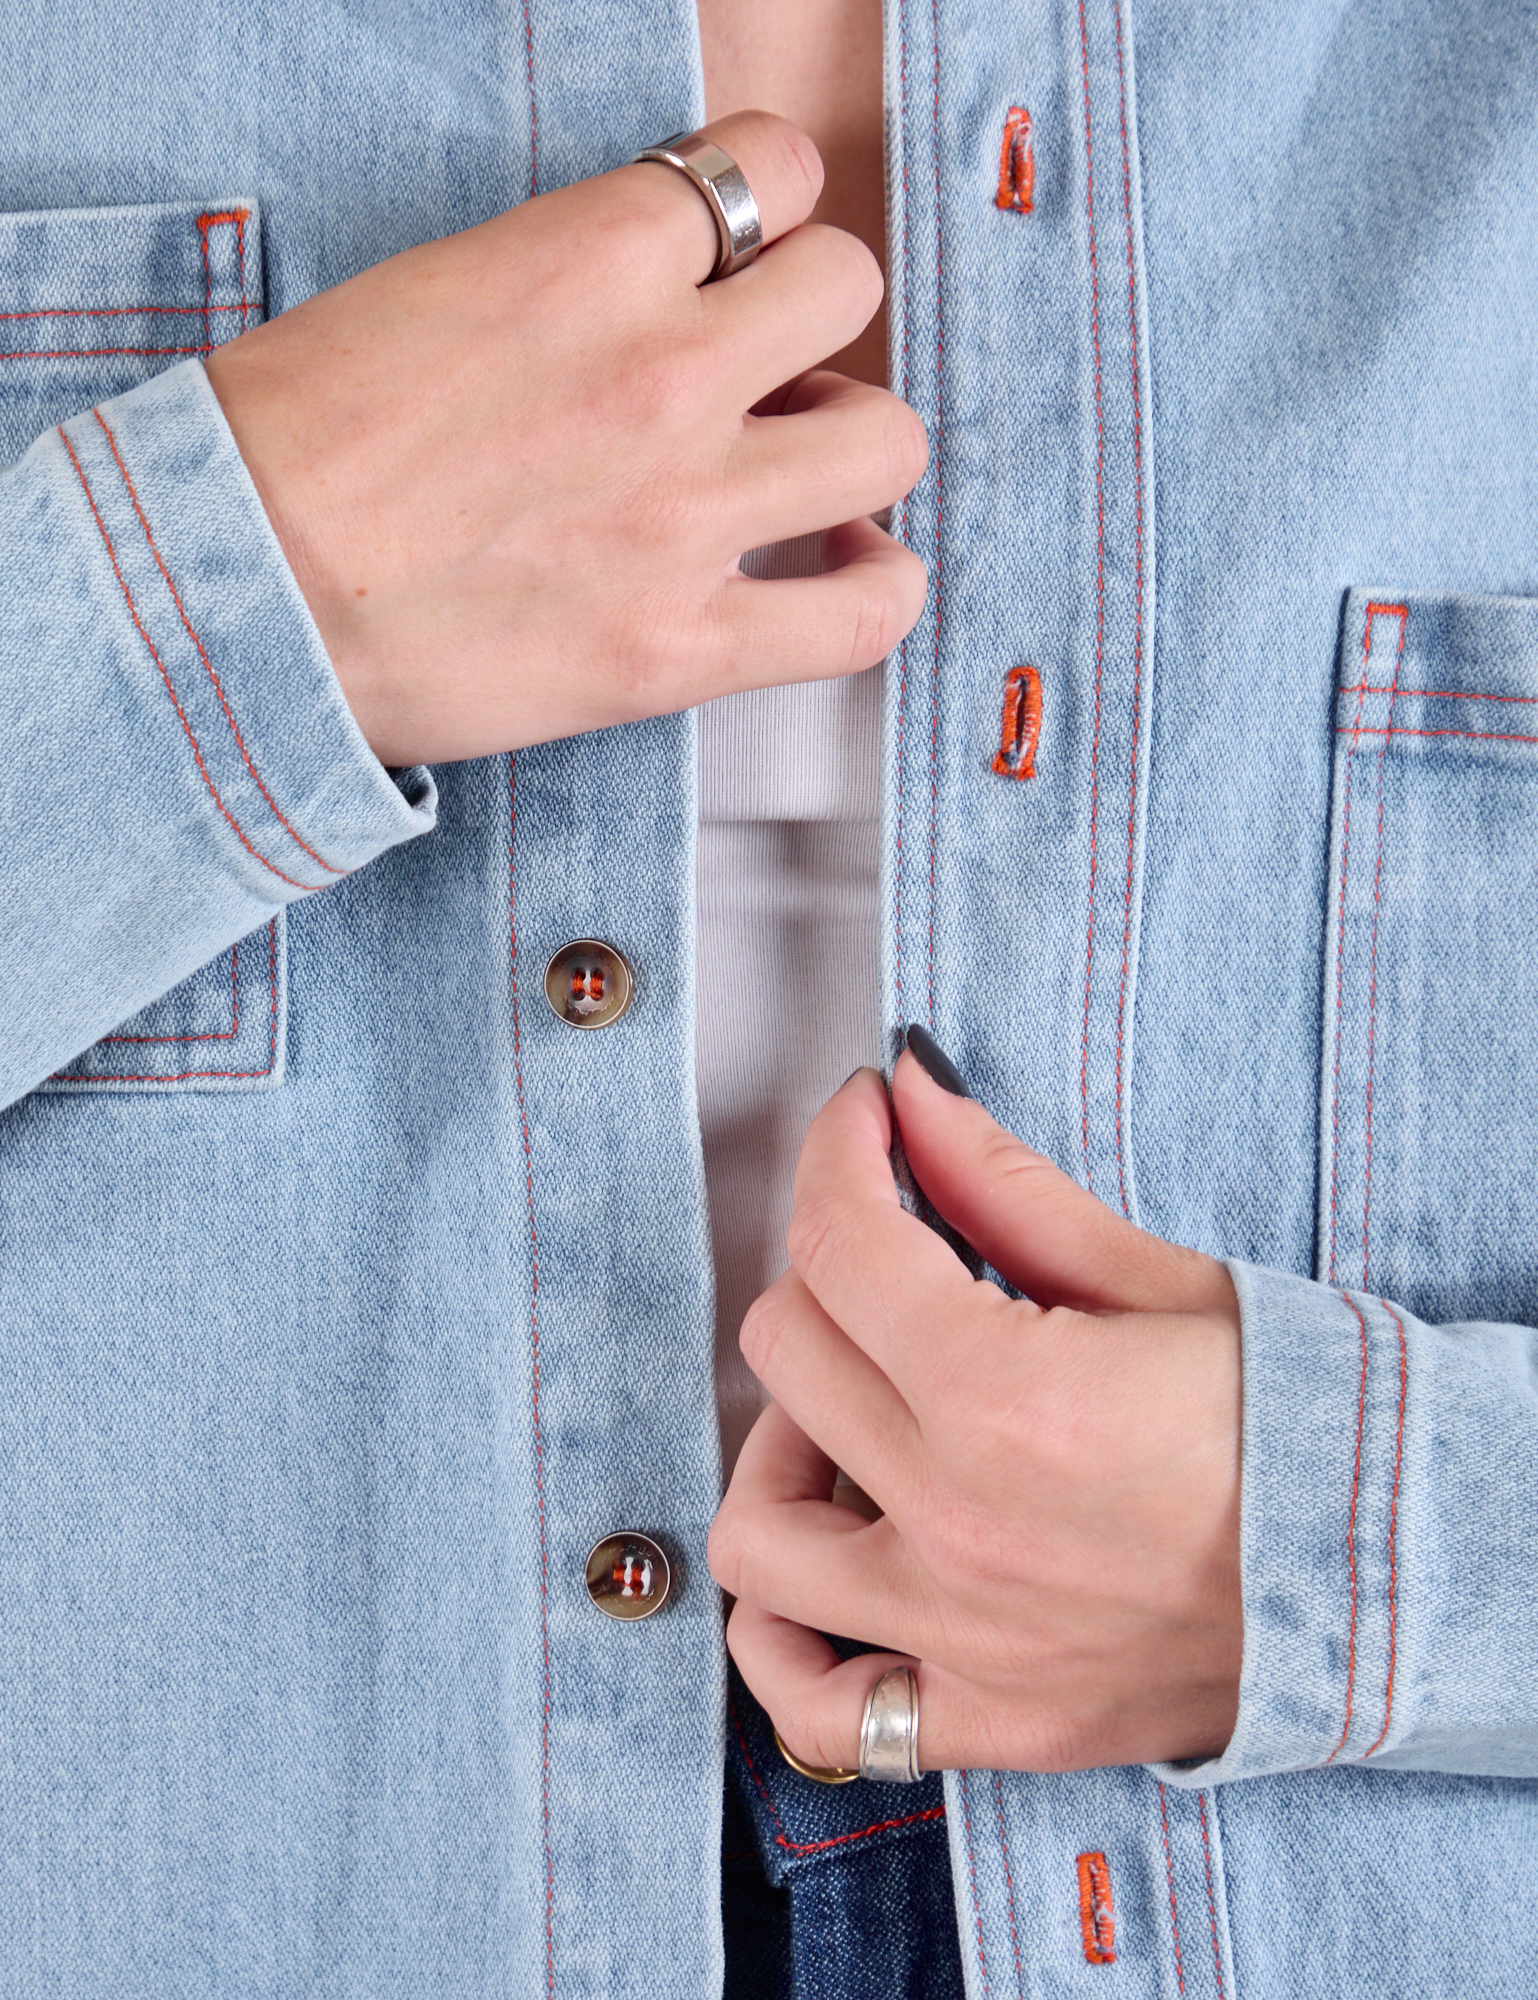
781 165
895 1287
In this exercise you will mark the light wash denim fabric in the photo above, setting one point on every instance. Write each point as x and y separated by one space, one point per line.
347 1296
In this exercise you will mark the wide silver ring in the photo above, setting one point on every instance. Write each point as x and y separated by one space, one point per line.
889 1732
739 226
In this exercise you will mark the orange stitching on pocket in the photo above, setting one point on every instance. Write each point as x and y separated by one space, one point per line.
1442 694
1017 164
224 1035
210 1075
1372 977
1473 735
203 656
1097 1917
1356 1486
212 221
133 612
1393 1532
1356 732
1020 725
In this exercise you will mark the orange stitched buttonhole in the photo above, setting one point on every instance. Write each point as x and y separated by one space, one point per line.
1021 724
1017 163
1095 1918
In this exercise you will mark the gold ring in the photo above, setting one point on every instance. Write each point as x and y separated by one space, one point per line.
820 1774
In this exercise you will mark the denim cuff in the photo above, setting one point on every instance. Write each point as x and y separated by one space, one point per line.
192 580
1323 1462
1388 1541
182 760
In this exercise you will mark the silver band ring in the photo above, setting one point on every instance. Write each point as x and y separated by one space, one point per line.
739 226
889 1733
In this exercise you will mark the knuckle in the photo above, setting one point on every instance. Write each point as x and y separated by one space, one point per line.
652 646
667 371
874 628
762 1336
801 164
967 1542
907 446
782 163
725 1553
811 1735
818 1234
851 267
797 162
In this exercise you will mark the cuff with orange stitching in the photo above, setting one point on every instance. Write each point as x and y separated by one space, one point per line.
1389 1539
224 644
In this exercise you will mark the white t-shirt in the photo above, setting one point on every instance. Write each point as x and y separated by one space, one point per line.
789 857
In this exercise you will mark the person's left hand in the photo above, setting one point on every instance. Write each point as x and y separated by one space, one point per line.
1057 1548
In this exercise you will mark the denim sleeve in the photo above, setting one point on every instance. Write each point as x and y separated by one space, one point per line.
179 758
1389 1539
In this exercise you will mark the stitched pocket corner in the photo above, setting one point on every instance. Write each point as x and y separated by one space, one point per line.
95 301
1429 1073
222 1029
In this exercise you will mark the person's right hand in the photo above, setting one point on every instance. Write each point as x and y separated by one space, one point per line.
513 470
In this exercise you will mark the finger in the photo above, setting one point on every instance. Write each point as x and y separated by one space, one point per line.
775 632
806 297
833 1392
815 1700
817 1703
780 1540
779 162
842 450
1035 1226
895 1287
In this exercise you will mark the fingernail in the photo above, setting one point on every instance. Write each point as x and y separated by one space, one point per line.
934 1062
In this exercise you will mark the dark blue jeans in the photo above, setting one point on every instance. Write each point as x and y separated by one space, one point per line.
831 1892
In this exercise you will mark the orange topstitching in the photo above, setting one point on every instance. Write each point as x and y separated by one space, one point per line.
133 612
207 1075
782 1839
208 664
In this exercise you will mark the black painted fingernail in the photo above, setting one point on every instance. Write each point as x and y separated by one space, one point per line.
933 1060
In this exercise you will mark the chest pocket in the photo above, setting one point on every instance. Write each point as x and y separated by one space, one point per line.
1430 1094
92 303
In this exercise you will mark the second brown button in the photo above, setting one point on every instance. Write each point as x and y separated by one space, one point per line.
589 983
628 1575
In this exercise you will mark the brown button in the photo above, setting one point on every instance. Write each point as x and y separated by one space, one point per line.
628 1576
588 983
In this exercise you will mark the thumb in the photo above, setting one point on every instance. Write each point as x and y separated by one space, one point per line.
1035 1226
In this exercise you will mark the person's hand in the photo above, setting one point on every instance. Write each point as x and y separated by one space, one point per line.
513 470
1057 1548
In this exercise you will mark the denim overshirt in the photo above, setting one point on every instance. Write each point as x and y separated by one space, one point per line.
347 1296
